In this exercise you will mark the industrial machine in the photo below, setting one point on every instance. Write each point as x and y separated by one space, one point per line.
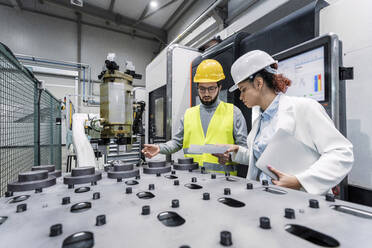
111 133
116 103
171 205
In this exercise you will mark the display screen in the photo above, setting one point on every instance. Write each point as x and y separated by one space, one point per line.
306 71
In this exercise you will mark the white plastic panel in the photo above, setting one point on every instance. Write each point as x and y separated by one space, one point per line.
181 78
156 72
156 76
352 22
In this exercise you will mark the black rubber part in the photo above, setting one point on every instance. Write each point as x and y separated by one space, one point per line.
21 208
30 176
128 190
265 223
156 164
55 230
70 180
145 210
313 203
227 191
49 167
155 170
192 166
101 220
175 203
226 238
8 194
123 174
206 196
123 167
26 186
289 213
185 160
83 171
96 195
66 200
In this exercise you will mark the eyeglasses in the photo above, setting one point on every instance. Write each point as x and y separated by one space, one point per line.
211 89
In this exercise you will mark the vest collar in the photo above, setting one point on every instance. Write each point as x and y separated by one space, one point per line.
213 106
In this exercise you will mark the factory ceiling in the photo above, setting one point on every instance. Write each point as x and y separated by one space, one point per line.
149 19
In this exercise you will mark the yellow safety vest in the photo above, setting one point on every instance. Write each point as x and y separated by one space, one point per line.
220 131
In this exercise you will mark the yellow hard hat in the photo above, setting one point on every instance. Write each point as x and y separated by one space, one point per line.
209 71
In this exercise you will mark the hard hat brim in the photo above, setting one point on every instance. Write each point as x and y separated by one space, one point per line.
233 88
208 80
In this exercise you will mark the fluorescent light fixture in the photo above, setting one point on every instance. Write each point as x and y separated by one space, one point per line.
77 2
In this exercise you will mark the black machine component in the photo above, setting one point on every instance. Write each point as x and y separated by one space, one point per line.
156 167
32 180
82 175
111 66
123 171
50 168
185 164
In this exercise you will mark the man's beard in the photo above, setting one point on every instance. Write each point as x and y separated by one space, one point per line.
209 102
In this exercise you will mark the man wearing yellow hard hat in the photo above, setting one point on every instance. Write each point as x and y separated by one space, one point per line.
211 122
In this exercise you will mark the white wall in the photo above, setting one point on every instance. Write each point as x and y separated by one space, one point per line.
352 22
48 37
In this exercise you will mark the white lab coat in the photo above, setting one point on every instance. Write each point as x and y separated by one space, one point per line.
307 121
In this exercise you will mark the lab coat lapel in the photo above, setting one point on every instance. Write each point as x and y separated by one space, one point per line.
252 173
286 115
286 121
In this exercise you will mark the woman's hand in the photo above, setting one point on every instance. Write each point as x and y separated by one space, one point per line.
150 150
233 148
285 180
224 158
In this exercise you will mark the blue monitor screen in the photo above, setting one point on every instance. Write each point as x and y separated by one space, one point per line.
306 71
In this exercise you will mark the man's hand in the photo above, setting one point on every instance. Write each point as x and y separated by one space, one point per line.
224 158
150 150
285 180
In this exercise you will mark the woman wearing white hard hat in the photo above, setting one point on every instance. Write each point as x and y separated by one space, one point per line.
256 77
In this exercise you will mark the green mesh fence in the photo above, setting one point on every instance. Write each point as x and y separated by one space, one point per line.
50 131
19 121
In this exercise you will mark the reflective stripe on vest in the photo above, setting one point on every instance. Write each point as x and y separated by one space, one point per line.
220 131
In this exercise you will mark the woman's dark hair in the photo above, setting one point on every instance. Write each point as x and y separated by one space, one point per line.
277 82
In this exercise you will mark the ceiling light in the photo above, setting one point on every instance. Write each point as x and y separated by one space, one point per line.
153 4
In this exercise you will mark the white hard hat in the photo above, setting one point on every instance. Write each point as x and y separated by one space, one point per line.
250 63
